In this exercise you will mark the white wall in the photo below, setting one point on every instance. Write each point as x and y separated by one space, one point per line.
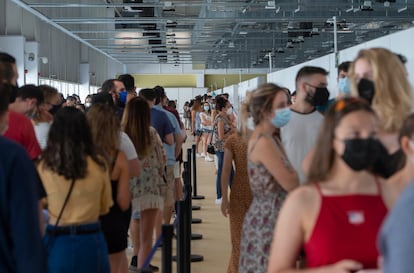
14 45
399 42
183 94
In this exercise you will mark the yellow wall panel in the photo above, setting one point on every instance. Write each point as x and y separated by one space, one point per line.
164 80
216 81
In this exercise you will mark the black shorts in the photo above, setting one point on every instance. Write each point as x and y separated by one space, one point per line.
115 226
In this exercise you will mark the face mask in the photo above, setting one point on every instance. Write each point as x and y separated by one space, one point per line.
206 108
366 89
213 106
387 164
360 153
281 118
122 98
229 111
250 123
320 97
54 109
343 85
88 104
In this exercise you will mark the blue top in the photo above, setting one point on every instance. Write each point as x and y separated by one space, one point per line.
170 149
21 248
159 120
397 235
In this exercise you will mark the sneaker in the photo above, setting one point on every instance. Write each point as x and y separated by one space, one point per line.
199 155
203 155
208 159
218 201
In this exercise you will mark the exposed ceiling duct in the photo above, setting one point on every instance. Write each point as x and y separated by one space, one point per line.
224 34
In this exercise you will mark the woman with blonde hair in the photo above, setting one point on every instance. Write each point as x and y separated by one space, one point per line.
271 176
114 224
378 76
147 197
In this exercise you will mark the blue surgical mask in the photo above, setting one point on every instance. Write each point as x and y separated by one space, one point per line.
123 97
282 117
206 108
344 86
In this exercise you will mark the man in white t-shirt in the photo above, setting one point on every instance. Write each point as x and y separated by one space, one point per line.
299 135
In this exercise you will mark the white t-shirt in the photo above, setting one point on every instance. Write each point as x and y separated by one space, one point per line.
126 145
42 131
299 136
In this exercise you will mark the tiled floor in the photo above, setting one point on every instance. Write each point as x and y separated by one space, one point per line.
215 245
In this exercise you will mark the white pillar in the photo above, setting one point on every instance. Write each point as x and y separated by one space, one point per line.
32 62
14 45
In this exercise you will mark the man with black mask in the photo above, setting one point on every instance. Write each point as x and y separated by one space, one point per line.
299 135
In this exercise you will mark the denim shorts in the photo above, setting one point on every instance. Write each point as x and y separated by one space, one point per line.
84 252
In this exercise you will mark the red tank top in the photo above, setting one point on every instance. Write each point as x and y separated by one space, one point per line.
346 228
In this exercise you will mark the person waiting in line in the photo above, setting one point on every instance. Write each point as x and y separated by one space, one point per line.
42 118
222 129
335 218
196 123
344 86
147 195
402 178
396 236
115 224
207 129
21 246
271 176
76 180
20 127
236 205
129 83
378 76
187 115
299 135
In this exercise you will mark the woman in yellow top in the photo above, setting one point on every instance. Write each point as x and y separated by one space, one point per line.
74 241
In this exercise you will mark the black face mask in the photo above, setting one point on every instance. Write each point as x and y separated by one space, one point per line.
320 97
366 90
388 164
54 109
361 153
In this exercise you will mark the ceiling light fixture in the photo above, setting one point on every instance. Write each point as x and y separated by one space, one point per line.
271 5
231 44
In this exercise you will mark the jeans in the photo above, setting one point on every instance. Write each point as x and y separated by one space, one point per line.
80 253
220 157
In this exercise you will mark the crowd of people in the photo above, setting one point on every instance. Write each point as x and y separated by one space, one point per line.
309 183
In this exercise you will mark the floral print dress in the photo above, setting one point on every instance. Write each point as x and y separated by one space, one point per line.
260 219
147 188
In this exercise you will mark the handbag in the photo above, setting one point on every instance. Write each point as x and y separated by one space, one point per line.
210 149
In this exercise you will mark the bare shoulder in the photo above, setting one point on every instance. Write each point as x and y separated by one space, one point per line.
304 197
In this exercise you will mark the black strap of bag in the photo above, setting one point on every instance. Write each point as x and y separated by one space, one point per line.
65 202
49 243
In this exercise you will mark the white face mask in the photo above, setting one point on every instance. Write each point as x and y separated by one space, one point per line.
229 111
250 123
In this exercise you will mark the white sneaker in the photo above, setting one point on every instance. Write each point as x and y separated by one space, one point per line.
199 155
208 159
218 201
203 155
